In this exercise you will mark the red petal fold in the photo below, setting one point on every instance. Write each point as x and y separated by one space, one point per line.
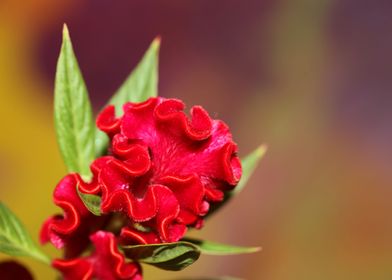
107 121
131 236
189 192
105 263
171 111
74 269
70 230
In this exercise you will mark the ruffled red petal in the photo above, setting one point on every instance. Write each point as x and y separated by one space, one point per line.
93 187
132 236
179 146
190 194
79 268
164 219
72 229
171 112
105 263
107 121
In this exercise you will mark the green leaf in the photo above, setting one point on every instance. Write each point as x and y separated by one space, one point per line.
140 85
72 112
92 202
168 256
213 248
14 238
249 164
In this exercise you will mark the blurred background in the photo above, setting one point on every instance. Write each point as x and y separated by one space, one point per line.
312 79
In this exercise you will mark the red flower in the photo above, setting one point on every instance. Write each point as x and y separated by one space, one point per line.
162 171
164 168
105 262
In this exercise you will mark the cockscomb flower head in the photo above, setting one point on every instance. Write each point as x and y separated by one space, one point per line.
162 171
133 188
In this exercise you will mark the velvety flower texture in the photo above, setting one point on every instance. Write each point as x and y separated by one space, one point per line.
105 262
162 171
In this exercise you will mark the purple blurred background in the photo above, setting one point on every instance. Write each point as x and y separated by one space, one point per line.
309 78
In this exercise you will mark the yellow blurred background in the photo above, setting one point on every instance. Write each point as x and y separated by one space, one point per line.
312 79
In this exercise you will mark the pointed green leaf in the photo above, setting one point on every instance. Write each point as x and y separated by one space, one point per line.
72 112
140 85
249 164
213 248
92 202
14 238
168 256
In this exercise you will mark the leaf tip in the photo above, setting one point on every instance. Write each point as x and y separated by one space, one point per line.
65 31
156 43
261 150
255 249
